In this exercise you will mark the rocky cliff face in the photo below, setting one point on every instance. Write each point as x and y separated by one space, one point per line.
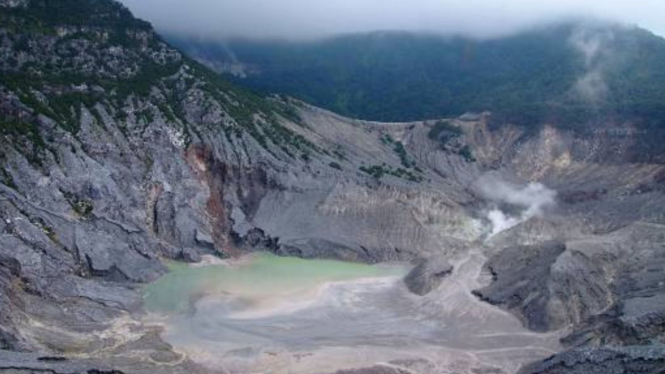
118 152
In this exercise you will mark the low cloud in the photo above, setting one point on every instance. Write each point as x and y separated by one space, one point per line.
307 19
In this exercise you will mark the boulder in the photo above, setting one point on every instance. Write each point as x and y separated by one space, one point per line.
204 240
428 275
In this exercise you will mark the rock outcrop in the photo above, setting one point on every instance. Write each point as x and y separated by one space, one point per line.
521 277
628 360
427 275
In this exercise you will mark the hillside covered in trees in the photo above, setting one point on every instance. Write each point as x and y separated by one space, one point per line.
569 73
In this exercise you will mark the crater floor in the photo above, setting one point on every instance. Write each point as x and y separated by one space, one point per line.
272 314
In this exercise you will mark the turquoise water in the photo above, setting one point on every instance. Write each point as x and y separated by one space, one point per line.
262 278
268 314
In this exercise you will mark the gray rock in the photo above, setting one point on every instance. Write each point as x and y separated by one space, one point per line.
520 282
322 248
114 259
204 240
428 275
190 255
624 360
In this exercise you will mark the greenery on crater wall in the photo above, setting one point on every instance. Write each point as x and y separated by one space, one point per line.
398 148
335 165
16 130
403 157
119 57
7 179
444 131
49 68
91 13
82 207
467 154
247 105
378 171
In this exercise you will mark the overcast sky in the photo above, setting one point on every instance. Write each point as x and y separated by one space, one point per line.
303 19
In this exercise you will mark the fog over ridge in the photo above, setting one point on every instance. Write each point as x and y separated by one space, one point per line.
311 19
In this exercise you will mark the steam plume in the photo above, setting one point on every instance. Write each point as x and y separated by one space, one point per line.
513 204
595 47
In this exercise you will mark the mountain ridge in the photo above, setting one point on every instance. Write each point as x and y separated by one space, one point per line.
451 81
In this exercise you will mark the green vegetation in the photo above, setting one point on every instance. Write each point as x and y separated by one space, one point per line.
149 76
98 116
92 13
398 148
6 178
401 152
467 154
51 82
378 171
167 112
527 79
335 165
66 108
82 207
288 110
339 153
245 108
387 139
444 131
17 129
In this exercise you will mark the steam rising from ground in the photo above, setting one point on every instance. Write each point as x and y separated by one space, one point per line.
513 204
595 47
